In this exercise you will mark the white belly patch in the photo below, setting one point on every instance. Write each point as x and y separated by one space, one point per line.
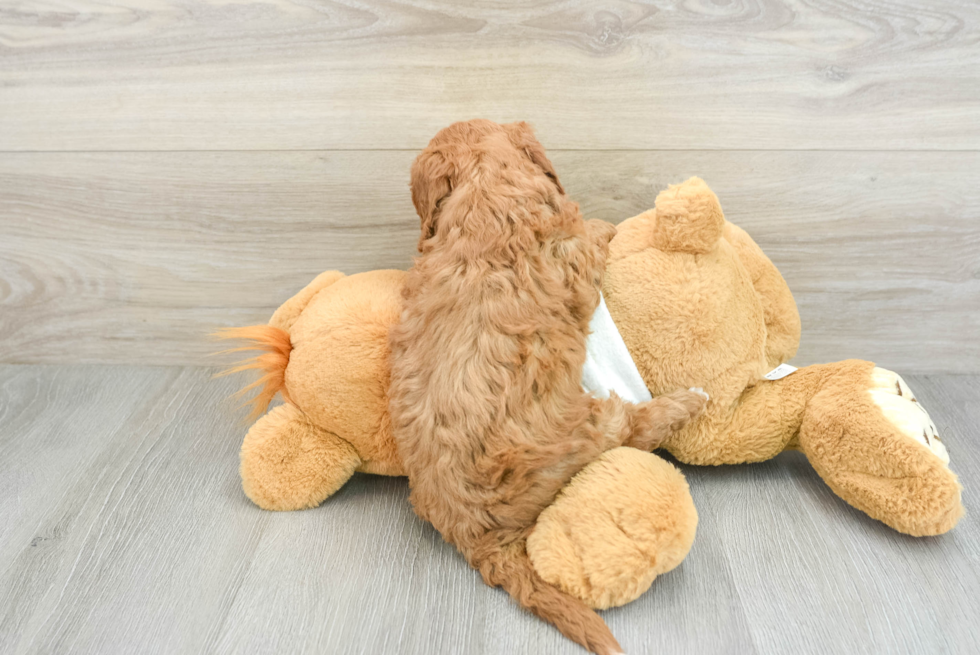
608 364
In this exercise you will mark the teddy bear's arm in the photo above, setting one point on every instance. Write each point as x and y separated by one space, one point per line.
782 317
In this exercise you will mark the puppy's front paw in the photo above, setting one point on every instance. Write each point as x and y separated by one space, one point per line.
700 392
667 414
691 402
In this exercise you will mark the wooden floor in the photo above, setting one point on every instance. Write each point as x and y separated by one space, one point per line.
125 531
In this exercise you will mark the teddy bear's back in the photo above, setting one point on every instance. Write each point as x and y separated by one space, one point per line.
338 369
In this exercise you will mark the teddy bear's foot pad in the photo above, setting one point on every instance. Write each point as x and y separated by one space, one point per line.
900 406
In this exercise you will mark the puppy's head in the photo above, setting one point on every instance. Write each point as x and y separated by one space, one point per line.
456 152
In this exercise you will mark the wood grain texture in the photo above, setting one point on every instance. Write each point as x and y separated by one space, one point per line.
288 74
136 257
125 530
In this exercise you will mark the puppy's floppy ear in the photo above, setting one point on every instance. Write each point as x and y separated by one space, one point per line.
431 183
522 136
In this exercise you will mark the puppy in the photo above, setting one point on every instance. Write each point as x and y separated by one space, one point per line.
487 408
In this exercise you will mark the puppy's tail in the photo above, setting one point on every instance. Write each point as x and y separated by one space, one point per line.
275 345
511 569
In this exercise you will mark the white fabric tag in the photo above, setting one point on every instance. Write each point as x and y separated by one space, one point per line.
608 364
780 372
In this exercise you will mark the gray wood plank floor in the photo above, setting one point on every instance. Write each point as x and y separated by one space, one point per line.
125 531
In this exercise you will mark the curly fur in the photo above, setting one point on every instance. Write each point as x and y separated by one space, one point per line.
488 412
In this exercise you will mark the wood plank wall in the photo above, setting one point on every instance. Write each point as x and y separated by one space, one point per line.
172 166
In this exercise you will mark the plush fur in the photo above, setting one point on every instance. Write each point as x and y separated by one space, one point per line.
326 352
698 304
486 402
621 522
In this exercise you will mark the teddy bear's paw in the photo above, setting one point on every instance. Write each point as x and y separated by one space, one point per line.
622 521
875 446
287 463
899 405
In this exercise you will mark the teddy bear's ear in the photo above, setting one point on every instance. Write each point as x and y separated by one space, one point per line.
688 218
522 136
431 184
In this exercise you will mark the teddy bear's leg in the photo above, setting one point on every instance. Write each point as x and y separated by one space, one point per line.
753 427
619 523
876 447
288 463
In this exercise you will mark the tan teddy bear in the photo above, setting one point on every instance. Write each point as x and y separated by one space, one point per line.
697 304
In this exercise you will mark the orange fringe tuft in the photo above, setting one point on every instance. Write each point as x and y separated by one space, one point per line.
277 346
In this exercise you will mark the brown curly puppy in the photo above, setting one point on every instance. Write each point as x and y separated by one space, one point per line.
489 415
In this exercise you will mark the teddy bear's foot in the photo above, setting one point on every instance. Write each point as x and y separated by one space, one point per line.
900 406
874 444
288 463
622 521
